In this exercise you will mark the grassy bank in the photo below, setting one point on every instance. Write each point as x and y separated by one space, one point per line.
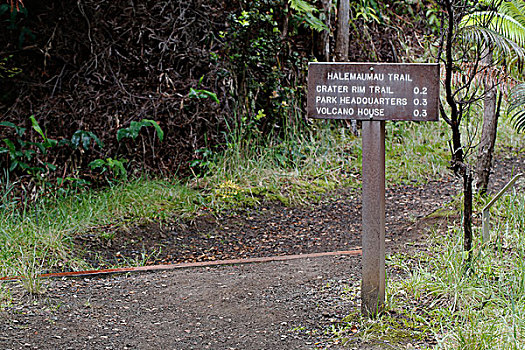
294 171
38 237
435 301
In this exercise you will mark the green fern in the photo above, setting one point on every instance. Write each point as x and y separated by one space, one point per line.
502 28
307 13
302 6
516 109
509 21
507 47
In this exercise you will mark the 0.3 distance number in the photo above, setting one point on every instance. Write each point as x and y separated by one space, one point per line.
419 113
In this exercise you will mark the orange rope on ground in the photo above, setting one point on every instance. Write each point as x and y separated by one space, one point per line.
355 251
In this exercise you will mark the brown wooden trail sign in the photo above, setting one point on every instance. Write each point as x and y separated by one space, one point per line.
373 93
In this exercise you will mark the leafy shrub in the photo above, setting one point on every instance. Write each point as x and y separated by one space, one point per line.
25 155
269 72
134 129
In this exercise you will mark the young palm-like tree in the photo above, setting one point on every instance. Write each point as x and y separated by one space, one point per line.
516 107
517 95
500 29
470 35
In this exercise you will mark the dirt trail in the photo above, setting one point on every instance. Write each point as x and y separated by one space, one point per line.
276 305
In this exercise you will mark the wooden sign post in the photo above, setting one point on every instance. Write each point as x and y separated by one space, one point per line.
373 93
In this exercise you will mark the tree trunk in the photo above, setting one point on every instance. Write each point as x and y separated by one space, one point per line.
488 133
467 214
456 113
325 35
342 40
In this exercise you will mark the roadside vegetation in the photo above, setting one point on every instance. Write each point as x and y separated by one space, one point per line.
325 157
434 301
438 304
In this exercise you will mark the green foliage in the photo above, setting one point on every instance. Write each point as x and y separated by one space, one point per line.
202 93
203 163
14 26
516 108
113 167
48 143
24 154
501 26
134 129
268 78
306 13
6 71
84 139
31 157
367 10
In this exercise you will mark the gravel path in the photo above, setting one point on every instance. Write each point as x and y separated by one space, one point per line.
277 305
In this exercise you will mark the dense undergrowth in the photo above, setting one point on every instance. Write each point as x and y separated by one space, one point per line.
437 302
208 73
294 172
436 299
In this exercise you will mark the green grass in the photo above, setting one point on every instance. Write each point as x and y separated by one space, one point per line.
295 171
43 233
416 151
433 300
436 301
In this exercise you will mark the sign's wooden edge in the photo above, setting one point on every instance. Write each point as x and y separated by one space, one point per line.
375 63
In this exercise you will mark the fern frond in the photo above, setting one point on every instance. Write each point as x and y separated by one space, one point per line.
516 109
479 34
515 9
518 120
306 13
315 23
302 6
517 97
504 24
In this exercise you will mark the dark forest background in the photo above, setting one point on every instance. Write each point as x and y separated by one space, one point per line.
98 88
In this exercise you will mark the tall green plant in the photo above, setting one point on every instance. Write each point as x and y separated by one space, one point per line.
461 98
500 29
26 155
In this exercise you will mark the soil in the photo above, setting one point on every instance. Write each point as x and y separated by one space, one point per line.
332 224
293 304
